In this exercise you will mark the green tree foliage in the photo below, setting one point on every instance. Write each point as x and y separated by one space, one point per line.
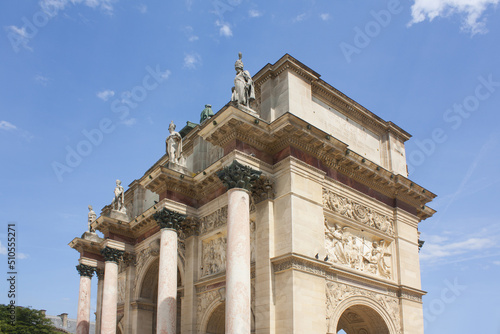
27 321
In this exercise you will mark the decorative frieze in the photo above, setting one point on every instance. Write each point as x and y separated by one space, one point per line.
238 176
112 254
360 213
169 219
213 221
337 292
346 247
297 263
85 270
213 256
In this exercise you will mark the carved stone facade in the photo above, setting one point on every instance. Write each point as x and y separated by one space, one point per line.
213 256
360 213
347 247
333 221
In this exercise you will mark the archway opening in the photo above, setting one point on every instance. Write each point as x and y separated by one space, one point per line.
361 319
217 321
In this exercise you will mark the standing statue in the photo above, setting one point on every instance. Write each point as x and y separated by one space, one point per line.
243 91
119 200
174 146
91 218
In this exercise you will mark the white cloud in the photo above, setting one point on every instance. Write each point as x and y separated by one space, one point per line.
472 10
129 122
254 13
188 30
324 16
497 263
4 125
224 28
19 37
143 9
437 248
3 249
41 80
21 256
105 94
192 60
300 17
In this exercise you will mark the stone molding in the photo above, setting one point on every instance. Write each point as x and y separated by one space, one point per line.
295 262
85 270
336 293
112 254
354 210
237 175
169 219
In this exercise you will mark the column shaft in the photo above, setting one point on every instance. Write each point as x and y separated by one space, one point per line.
167 283
100 288
83 317
238 287
109 298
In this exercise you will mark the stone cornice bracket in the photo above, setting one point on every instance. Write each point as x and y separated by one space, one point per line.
112 254
85 270
238 176
169 219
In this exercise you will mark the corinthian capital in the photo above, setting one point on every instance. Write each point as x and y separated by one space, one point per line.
112 254
85 270
238 176
169 219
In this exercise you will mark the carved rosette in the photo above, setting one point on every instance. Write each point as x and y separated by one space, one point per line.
238 176
169 219
85 270
112 254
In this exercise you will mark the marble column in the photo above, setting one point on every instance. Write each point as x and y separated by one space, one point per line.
110 291
166 316
100 286
239 180
83 316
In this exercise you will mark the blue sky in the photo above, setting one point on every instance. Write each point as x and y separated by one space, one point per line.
128 68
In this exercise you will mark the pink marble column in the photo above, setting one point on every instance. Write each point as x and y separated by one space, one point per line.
110 291
83 316
167 283
238 292
166 316
100 287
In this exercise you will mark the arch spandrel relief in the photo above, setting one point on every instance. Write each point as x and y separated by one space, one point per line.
354 249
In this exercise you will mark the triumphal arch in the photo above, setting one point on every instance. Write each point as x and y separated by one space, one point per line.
289 210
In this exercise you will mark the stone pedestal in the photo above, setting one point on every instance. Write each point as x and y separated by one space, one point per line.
169 222
83 316
238 293
110 292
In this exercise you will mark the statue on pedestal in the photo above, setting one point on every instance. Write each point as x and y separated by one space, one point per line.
243 91
118 203
91 218
174 146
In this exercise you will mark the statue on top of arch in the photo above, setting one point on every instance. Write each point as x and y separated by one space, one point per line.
243 91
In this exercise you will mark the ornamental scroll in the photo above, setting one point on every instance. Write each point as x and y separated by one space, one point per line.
345 247
351 209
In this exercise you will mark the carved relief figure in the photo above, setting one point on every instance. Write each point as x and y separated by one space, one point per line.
174 146
214 256
243 91
91 218
348 249
118 203
213 220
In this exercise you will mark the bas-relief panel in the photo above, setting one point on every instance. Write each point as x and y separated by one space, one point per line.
213 259
351 248
360 213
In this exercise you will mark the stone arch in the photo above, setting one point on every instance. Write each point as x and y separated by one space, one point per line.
216 323
216 306
152 262
361 315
